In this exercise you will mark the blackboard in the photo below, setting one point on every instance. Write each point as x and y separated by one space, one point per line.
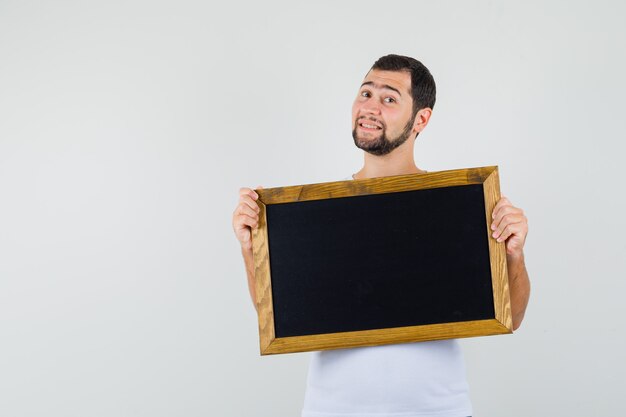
384 260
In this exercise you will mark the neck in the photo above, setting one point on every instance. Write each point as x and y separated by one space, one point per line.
399 162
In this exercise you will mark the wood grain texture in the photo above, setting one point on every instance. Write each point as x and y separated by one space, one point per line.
501 324
374 185
386 336
497 256
263 289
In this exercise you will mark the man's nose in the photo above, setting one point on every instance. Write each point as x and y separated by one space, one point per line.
371 107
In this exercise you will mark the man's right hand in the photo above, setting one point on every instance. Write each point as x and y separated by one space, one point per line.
246 217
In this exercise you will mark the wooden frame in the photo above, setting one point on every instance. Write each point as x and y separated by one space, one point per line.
500 324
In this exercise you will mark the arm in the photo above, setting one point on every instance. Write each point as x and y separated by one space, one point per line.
519 286
246 217
511 226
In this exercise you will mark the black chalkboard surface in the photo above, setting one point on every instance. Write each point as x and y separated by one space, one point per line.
385 260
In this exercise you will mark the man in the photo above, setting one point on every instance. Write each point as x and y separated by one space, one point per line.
393 106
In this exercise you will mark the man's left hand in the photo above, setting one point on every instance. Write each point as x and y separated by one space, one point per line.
509 225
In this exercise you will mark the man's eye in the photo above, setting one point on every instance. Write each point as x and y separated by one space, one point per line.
365 93
390 100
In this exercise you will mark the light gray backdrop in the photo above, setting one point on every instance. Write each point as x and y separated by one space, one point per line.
127 127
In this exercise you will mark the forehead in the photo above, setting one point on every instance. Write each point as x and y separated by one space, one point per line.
400 80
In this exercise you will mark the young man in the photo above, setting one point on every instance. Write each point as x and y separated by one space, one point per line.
393 106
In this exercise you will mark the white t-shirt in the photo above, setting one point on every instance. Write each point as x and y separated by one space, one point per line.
425 379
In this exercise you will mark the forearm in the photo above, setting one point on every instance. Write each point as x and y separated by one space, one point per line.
248 260
519 286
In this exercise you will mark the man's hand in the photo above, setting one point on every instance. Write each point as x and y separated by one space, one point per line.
510 226
245 217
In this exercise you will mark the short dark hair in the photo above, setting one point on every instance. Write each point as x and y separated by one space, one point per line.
423 89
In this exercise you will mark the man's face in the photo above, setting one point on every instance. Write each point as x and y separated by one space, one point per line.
381 113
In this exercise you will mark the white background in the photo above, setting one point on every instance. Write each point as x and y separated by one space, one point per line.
127 127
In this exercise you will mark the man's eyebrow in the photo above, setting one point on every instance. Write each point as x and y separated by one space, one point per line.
381 86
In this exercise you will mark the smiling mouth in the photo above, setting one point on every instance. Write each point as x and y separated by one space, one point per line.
370 125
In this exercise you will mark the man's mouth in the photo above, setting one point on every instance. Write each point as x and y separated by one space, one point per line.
370 125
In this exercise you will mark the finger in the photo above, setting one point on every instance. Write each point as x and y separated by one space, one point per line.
511 227
247 222
244 209
502 213
248 191
511 230
501 203
506 220
243 222
246 199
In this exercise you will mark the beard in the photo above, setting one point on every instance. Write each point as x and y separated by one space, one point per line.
382 145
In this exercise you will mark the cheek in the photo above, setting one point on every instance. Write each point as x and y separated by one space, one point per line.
397 119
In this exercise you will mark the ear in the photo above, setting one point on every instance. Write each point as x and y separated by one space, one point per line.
421 119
